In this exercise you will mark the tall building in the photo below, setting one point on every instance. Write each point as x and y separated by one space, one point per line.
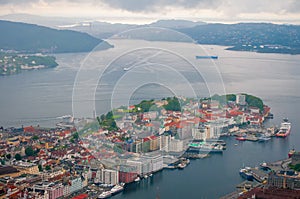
176 145
241 99
110 176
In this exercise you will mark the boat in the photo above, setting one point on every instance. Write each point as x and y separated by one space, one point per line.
285 129
150 175
207 57
116 189
264 166
137 179
245 173
291 153
126 69
181 165
105 194
206 147
263 138
240 138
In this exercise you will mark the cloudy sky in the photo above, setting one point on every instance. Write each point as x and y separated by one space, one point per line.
145 11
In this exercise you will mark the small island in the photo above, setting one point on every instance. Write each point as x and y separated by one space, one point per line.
13 63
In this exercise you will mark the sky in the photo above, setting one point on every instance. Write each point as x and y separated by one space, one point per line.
147 11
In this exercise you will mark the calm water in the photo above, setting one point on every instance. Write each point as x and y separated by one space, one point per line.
38 97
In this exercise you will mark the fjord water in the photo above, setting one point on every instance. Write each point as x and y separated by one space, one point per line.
39 97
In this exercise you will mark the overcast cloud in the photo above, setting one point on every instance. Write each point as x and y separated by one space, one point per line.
202 10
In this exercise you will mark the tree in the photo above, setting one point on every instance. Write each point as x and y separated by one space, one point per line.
29 151
48 167
8 156
35 137
76 136
18 157
40 168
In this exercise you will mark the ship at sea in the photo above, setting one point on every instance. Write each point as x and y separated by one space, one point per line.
206 57
285 129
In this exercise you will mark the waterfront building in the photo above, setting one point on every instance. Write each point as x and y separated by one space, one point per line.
66 190
110 176
241 99
50 190
75 184
284 179
156 162
55 191
127 173
164 142
200 132
176 145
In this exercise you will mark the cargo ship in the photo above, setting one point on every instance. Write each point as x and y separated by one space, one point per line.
245 173
207 57
285 129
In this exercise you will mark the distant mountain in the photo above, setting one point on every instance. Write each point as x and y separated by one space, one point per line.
31 38
175 24
52 22
258 37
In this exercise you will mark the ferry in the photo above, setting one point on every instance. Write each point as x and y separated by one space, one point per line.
206 57
285 129
105 194
116 189
207 147
246 174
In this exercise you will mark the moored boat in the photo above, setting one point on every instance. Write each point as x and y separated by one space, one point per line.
285 129
105 194
245 173
240 138
116 189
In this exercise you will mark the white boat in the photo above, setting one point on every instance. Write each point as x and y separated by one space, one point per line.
105 194
285 129
116 189
137 179
126 69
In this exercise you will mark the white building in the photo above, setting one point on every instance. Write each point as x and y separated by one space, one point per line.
156 162
75 184
199 133
176 145
241 99
110 176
